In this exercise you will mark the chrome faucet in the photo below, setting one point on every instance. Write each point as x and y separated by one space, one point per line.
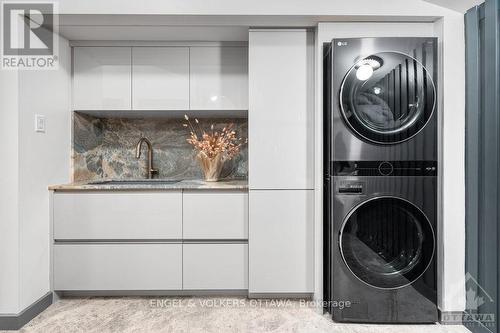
151 170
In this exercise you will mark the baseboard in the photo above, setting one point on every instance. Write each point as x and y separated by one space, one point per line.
463 318
180 293
16 322
281 295
151 293
450 317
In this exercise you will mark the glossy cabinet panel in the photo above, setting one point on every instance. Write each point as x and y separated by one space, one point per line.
281 241
117 266
280 115
117 215
102 78
215 266
215 215
160 78
219 78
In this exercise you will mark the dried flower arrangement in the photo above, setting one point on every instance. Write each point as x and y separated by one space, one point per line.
213 147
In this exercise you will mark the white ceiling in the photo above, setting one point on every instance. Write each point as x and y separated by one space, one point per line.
93 20
195 27
459 5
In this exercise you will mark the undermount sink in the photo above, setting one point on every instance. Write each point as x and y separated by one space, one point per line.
135 182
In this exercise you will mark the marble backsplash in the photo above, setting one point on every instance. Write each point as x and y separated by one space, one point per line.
105 148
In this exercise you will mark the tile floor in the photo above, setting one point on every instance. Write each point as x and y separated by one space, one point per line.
167 314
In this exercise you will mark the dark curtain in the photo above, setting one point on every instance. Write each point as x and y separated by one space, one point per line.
482 167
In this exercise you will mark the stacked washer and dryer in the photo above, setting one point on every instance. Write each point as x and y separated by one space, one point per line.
380 218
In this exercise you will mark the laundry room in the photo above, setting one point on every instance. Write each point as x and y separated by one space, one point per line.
247 166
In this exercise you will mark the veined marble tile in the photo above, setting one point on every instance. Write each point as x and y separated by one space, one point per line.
105 148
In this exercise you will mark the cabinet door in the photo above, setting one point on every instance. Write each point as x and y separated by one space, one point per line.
215 266
280 115
117 215
160 78
118 266
281 241
219 78
215 215
102 78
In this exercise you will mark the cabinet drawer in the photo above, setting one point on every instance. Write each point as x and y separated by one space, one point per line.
215 215
215 266
118 215
118 267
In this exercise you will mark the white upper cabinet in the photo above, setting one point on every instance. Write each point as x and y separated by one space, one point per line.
160 78
102 78
280 115
219 78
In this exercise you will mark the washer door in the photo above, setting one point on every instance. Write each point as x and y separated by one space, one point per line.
387 242
387 97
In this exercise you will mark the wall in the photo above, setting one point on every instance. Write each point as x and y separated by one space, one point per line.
36 160
458 5
105 148
9 226
450 31
450 245
43 160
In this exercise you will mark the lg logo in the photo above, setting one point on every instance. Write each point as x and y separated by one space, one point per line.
27 29
340 43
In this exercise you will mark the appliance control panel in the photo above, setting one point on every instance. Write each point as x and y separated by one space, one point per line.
351 188
384 168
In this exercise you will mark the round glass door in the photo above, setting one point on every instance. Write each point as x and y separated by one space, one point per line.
387 242
387 97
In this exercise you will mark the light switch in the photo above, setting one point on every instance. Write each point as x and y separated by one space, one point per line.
39 123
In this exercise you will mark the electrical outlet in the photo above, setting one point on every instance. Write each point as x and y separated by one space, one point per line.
39 123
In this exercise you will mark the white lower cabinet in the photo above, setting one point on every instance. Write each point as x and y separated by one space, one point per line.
83 267
133 240
281 241
215 215
215 266
117 215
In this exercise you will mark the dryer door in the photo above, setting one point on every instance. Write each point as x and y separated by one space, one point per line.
387 242
387 97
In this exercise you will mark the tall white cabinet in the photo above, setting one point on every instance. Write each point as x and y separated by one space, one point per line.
280 110
281 241
280 162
